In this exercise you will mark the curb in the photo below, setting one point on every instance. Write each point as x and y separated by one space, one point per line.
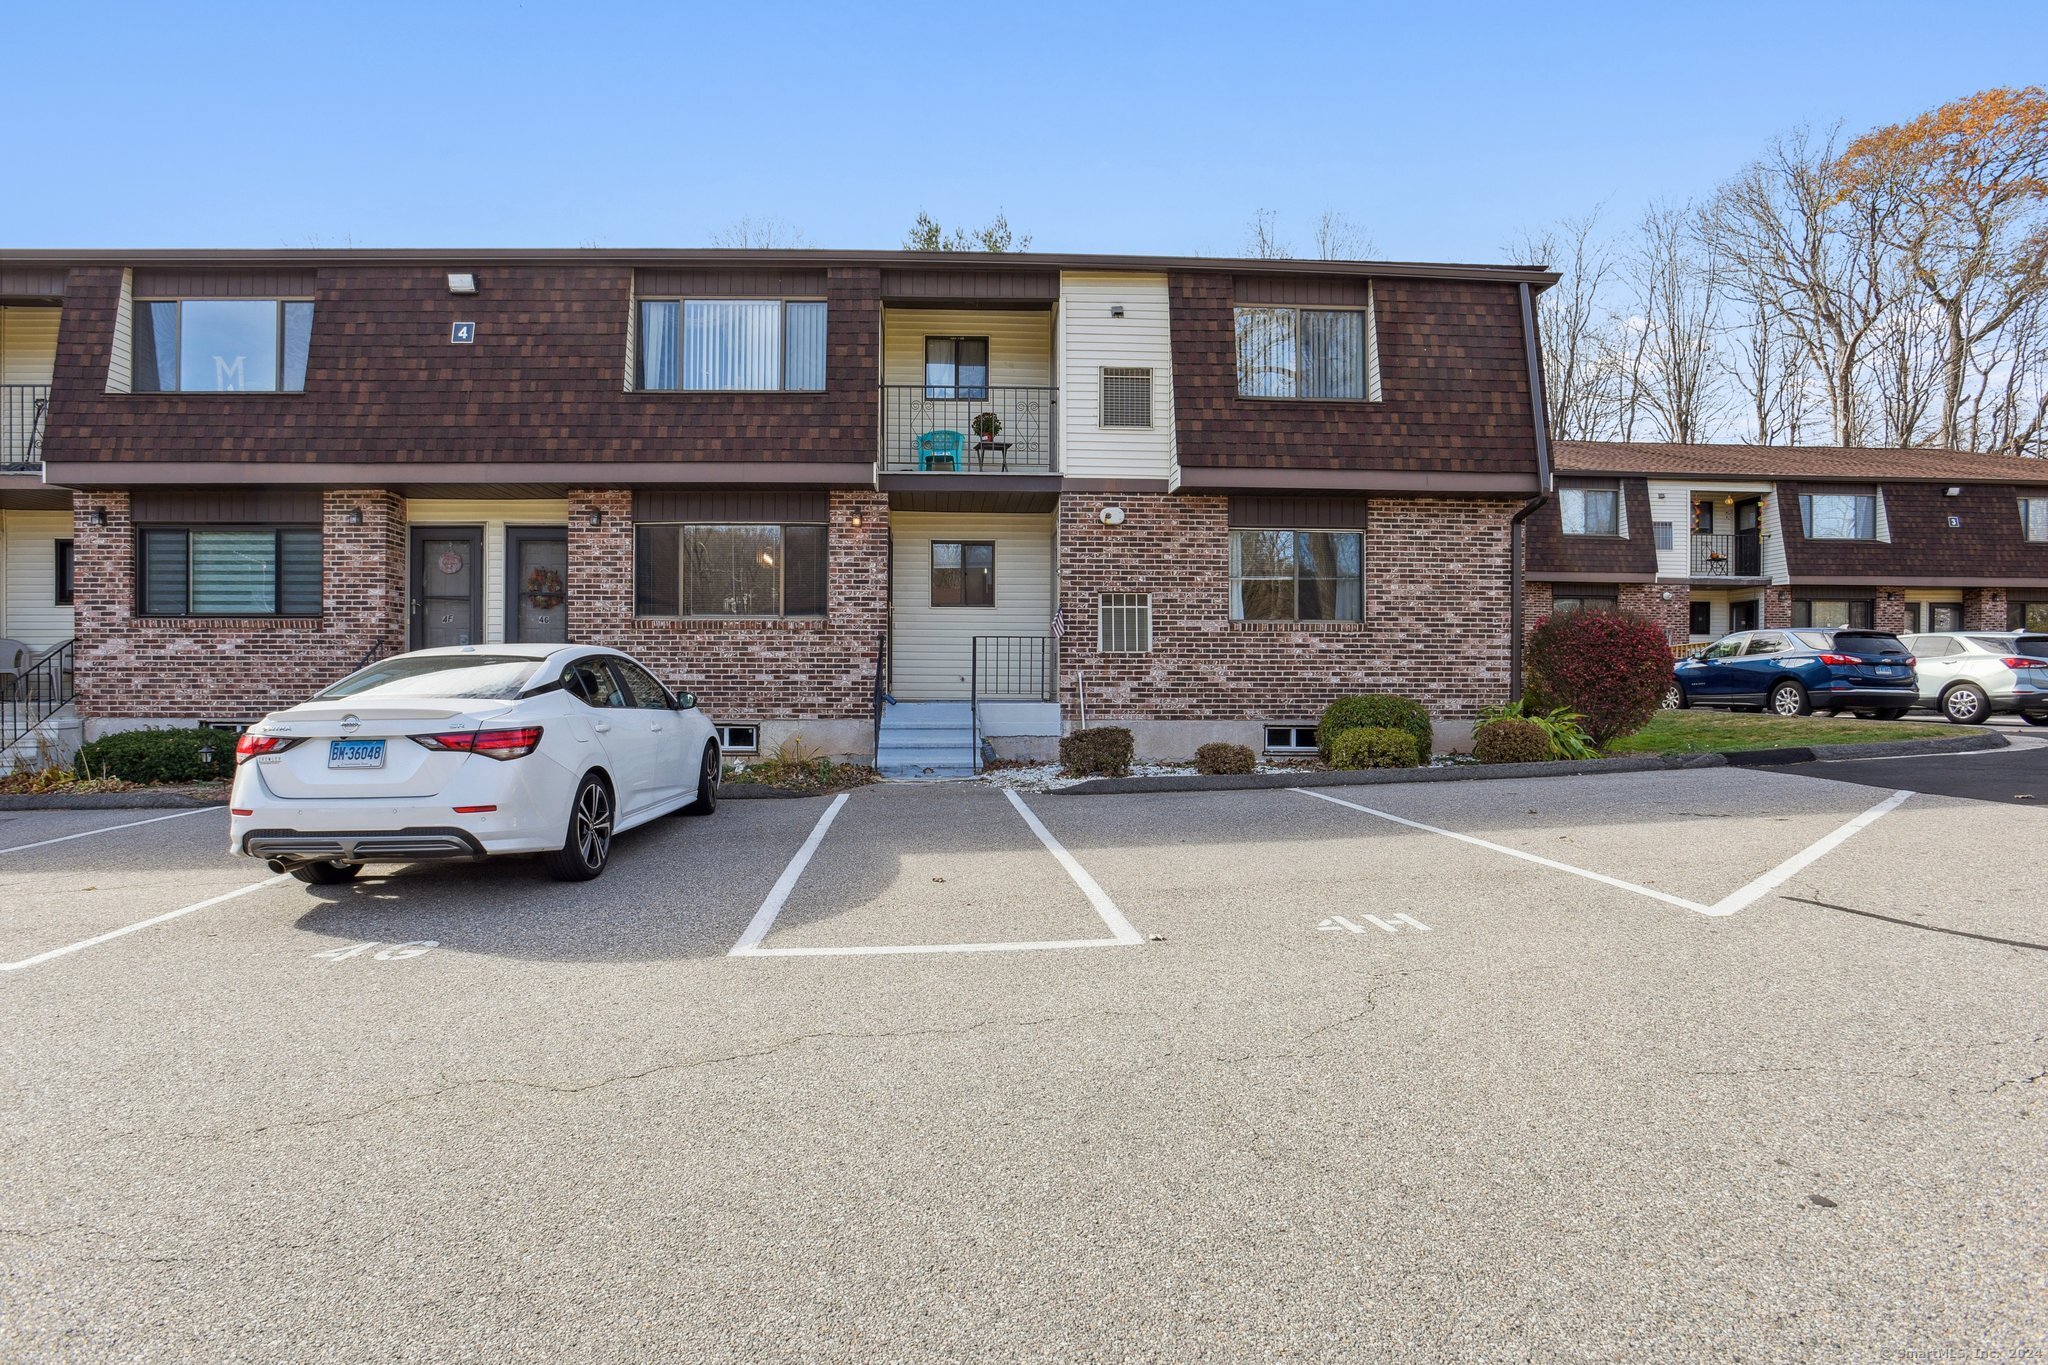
143 800
759 791
1750 758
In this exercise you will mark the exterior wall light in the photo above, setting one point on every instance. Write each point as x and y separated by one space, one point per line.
597 516
99 516
462 284
1116 310
1952 492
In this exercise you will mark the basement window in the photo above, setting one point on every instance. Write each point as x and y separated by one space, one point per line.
739 739
1290 739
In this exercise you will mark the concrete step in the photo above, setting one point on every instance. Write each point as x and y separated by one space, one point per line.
939 772
917 754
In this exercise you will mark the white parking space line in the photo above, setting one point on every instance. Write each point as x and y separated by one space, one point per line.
1727 905
109 829
749 945
109 936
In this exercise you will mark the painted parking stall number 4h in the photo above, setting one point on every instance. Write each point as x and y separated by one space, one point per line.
391 952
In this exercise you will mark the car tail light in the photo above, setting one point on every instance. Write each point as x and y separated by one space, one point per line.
513 742
1839 660
249 746
2019 663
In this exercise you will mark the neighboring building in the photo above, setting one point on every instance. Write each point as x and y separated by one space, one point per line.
1708 539
1197 497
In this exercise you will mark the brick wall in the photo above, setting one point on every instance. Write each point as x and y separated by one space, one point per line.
743 670
1435 627
1984 609
133 666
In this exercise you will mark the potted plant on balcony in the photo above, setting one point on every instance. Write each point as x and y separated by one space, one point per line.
987 426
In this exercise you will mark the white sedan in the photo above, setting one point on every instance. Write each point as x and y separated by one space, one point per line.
467 752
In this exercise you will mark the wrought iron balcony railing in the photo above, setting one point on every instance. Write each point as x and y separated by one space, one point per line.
947 430
21 425
1727 556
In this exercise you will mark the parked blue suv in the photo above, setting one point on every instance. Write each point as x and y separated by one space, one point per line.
1793 672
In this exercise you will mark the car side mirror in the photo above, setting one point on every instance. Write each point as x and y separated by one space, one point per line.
686 701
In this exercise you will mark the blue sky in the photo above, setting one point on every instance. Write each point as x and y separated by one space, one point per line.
1443 129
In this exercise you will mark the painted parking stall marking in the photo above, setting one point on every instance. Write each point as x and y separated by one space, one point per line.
392 952
125 930
1739 899
108 829
1338 924
1121 934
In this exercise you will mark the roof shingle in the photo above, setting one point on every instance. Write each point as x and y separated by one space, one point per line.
1864 464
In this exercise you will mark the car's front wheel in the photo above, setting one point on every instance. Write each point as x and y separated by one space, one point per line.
588 844
1675 698
1789 699
2035 717
326 874
709 773
1965 704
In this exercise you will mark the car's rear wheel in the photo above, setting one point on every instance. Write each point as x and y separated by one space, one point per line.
2035 717
1789 699
1965 704
326 874
709 772
587 846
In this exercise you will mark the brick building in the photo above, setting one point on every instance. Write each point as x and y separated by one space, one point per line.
1197 497
1710 539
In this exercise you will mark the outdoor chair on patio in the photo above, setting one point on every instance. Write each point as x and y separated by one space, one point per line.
941 450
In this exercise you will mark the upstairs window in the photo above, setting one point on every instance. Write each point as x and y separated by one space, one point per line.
1297 575
2034 518
1305 353
252 571
1590 510
728 570
1838 516
222 345
956 367
732 345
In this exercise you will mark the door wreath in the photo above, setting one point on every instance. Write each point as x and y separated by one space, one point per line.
544 590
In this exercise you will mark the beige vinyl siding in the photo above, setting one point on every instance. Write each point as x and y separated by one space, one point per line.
28 578
28 345
121 359
494 515
1019 342
1090 341
931 646
1772 524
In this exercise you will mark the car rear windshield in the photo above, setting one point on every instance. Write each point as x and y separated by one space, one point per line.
2028 646
493 677
1867 643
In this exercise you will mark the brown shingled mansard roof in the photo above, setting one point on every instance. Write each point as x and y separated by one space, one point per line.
1823 463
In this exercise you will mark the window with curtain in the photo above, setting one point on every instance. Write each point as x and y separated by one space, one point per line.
248 571
1582 602
2034 518
1304 353
729 570
221 345
1838 516
1590 511
715 345
956 367
1833 612
1297 575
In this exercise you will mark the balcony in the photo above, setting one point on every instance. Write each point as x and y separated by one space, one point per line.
1003 430
1739 555
22 407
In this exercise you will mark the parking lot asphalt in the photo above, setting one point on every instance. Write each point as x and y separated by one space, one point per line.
2016 775
1730 1062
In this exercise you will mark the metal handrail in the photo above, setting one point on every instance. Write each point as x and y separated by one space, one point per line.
928 430
46 686
1015 666
881 686
22 409
1736 555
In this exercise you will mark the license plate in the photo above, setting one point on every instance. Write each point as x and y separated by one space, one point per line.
1887 671
355 753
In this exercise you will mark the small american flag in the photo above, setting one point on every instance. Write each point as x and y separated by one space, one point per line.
1059 623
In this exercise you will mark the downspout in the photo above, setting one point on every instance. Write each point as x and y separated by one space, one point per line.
1539 403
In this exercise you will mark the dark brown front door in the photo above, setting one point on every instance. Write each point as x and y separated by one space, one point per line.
447 586
537 572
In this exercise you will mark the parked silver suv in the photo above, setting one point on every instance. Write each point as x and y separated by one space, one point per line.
1969 675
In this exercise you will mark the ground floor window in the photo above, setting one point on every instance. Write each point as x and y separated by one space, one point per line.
192 571
963 573
1124 623
2027 615
1702 622
1852 613
1582 601
1297 575
1290 739
729 570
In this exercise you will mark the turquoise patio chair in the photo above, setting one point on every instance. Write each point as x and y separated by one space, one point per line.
941 450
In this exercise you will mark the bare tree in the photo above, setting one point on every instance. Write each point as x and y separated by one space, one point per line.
1768 368
1340 239
1793 238
1672 327
1571 318
760 232
1262 237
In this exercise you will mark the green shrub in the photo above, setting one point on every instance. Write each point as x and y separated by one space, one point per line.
1375 746
158 755
1567 739
1375 711
1511 741
1102 751
1609 667
1224 758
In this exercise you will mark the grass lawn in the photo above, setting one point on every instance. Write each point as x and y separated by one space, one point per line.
1701 732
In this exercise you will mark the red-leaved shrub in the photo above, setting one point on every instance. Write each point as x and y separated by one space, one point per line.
1613 668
